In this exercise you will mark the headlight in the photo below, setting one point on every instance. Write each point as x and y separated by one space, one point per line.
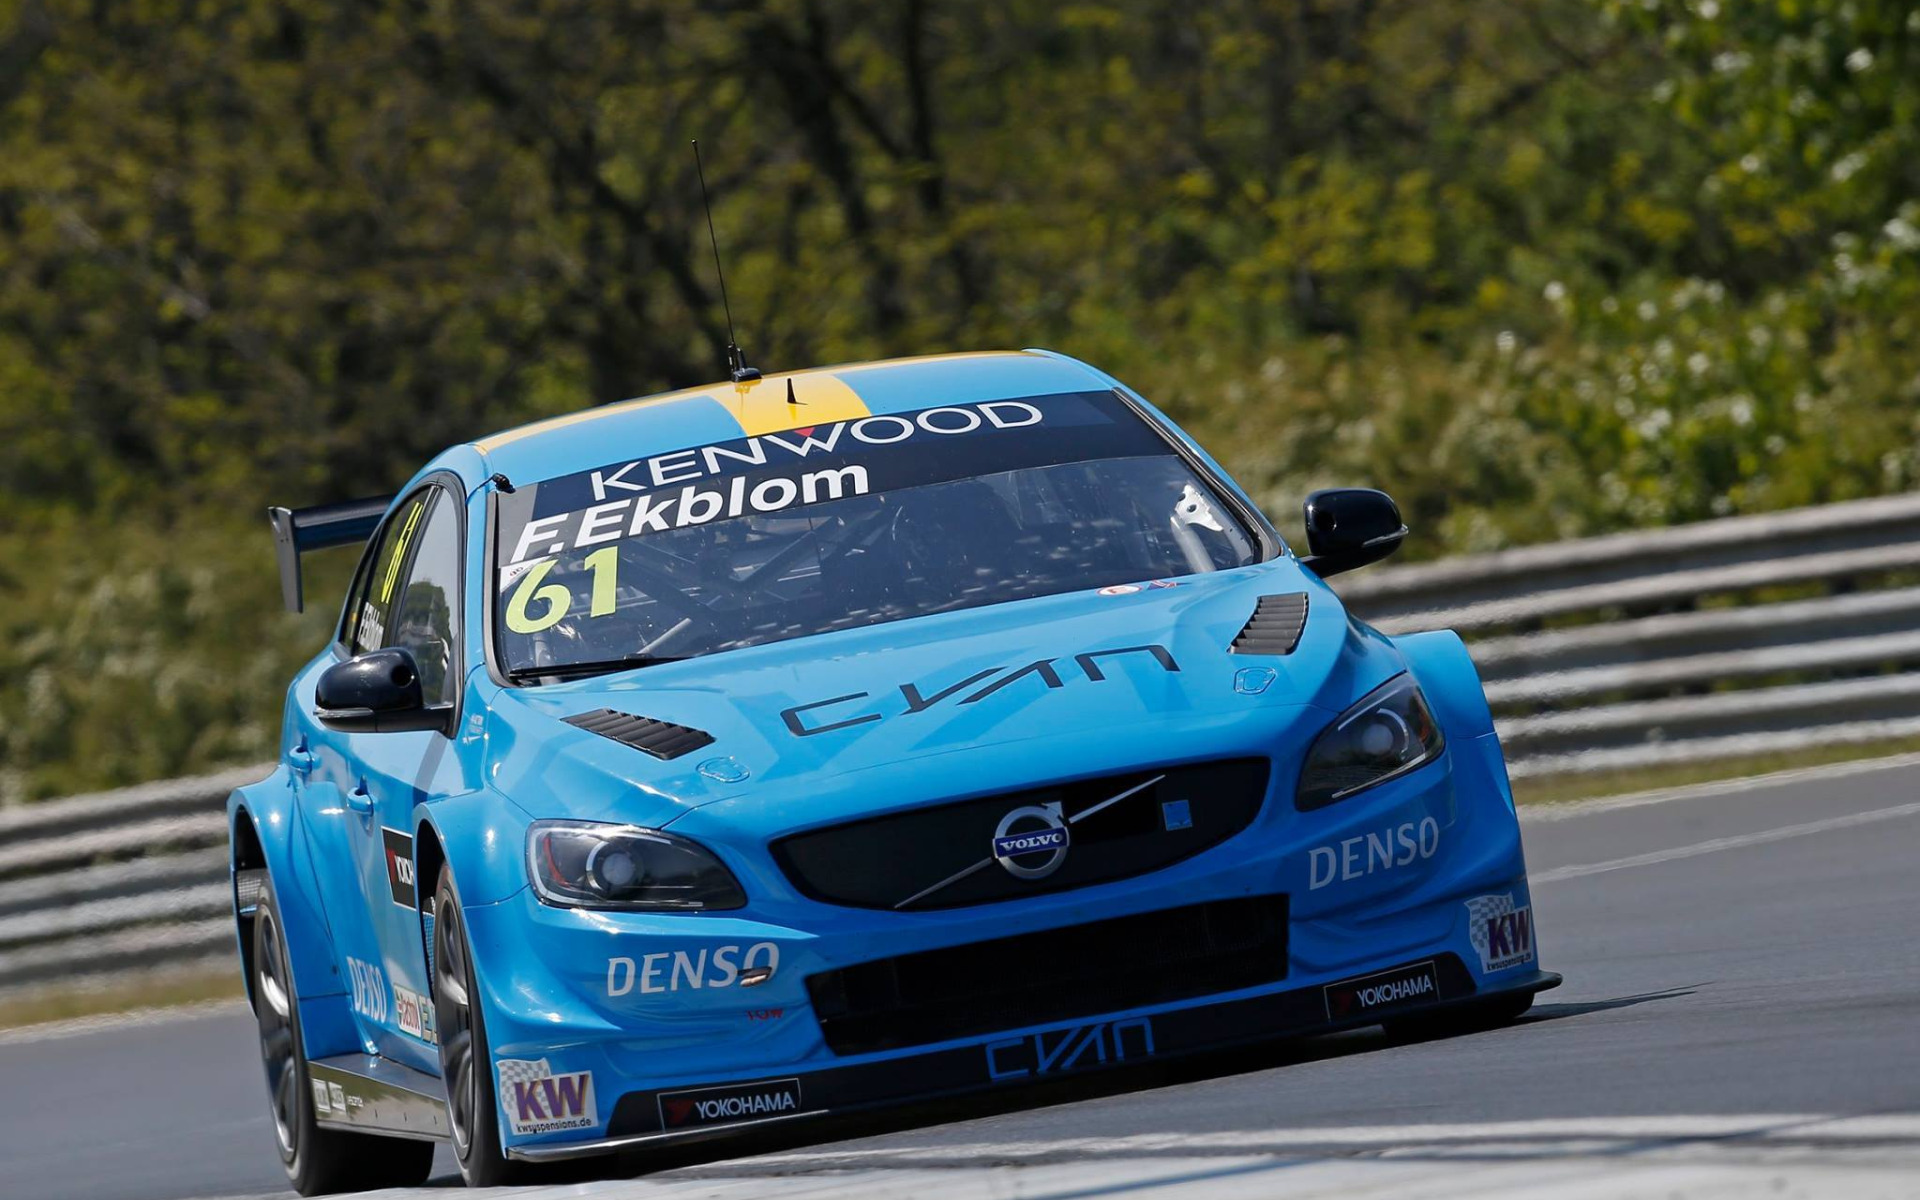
587 864
1388 733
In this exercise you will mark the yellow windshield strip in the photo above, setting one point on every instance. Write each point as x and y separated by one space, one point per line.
818 399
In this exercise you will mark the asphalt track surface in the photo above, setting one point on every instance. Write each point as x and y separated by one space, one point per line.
1741 1016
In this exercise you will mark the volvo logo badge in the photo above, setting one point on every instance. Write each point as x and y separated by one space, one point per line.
1031 842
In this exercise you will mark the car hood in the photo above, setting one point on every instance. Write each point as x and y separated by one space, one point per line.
910 712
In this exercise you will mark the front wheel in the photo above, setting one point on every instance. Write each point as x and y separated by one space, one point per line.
466 1062
318 1160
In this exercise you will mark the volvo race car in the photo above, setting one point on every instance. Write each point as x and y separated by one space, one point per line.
789 747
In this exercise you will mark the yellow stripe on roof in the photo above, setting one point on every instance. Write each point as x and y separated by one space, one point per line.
818 399
761 406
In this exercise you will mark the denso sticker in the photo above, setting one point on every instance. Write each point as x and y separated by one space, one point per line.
1380 850
693 970
535 1100
1501 931
724 1105
413 1013
369 989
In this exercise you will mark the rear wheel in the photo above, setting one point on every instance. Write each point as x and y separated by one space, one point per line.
318 1159
466 1062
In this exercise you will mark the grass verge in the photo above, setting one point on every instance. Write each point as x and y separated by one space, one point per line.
1559 789
160 989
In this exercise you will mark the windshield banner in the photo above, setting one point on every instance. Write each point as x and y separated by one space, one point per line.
775 472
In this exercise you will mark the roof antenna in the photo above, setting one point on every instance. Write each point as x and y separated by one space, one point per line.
736 360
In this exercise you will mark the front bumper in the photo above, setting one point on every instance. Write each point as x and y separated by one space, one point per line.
649 1117
656 1015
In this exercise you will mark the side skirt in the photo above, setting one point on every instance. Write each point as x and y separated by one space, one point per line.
370 1094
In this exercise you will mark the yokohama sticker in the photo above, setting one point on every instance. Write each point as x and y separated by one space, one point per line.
1401 987
1500 931
399 848
535 1100
726 1105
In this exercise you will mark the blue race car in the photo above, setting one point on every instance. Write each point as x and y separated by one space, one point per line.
838 739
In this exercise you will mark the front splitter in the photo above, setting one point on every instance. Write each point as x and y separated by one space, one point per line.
641 1119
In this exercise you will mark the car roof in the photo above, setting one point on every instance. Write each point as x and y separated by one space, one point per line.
725 411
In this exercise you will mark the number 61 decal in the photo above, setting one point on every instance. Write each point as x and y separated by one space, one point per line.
556 598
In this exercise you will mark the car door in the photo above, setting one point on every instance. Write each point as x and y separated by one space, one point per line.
414 595
336 808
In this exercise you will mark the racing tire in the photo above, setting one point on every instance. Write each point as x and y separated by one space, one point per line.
466 1060
319 1160
1476 1017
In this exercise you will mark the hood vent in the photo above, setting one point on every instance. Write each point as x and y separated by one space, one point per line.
662 739
1274 627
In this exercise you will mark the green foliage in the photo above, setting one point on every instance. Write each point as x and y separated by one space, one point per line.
1542 268
134 652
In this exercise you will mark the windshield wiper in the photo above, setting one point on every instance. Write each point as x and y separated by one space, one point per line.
578 670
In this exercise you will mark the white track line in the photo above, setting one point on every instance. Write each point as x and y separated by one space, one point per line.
1700 1157
1715 845
1585 1130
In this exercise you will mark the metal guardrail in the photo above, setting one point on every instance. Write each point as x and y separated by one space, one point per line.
1723 639
95 887
1631 650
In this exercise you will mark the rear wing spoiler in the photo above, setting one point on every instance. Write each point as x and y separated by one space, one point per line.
298 530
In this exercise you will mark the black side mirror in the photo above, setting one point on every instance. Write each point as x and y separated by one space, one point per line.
377 692
1350 527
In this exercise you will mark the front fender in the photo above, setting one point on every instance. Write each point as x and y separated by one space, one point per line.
483 836
1439 660
1445 671
271 819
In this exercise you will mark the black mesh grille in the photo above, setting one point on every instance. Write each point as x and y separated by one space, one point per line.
1078 971
662 739
1274 627
1117 826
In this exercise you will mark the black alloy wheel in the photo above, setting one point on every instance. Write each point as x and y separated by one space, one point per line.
466 1064
318 1160
279 1042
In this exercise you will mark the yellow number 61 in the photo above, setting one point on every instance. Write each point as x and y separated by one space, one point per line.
555 596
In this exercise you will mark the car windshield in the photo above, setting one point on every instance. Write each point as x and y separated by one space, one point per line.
840 525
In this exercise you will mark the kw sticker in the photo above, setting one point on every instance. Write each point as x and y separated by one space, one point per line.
535 1100
1501 931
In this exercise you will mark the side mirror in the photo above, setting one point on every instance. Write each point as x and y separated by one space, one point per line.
377 692
1350 527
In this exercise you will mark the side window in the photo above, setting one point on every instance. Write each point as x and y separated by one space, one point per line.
350 607
425 615
379 583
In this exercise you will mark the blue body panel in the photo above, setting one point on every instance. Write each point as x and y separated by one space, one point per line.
812 732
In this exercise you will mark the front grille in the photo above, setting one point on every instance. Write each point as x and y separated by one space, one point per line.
1037 978
944 856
